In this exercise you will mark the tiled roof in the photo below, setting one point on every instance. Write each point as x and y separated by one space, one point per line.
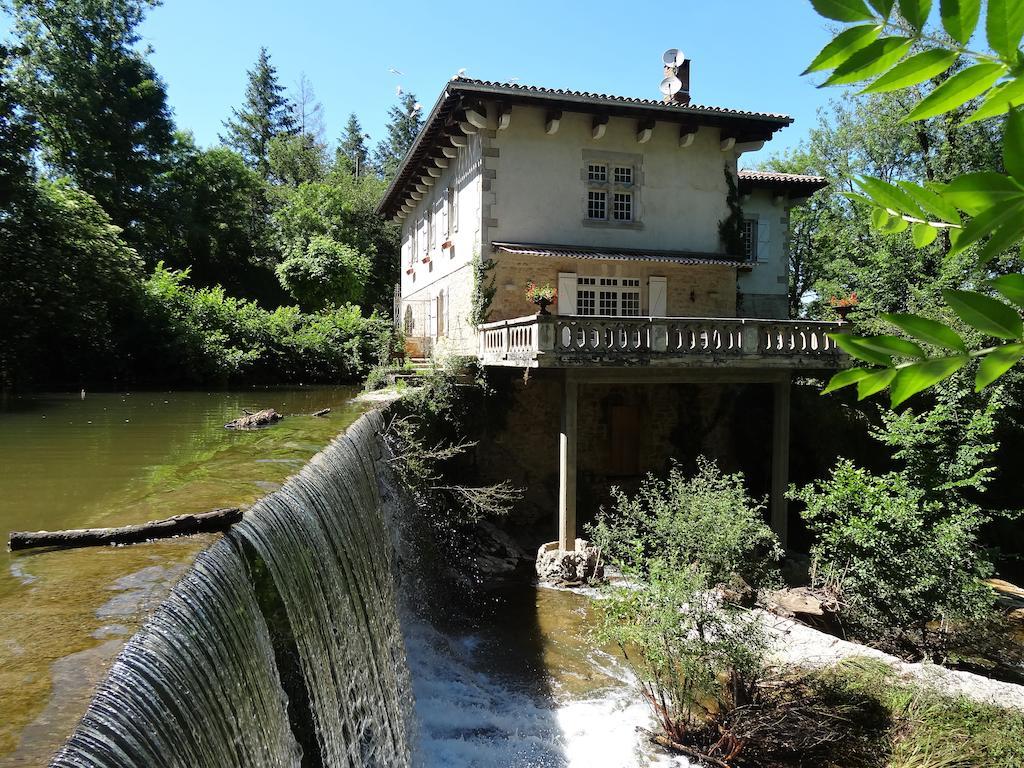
613 254
770 176
693 108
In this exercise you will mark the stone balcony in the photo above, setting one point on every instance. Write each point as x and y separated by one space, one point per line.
549 341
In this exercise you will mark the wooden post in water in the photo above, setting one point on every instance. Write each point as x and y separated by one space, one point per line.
567 466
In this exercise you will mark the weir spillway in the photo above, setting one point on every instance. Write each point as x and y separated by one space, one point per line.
281 646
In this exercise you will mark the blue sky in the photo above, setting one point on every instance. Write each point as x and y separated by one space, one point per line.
746 54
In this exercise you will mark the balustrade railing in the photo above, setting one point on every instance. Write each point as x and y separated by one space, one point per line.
525 340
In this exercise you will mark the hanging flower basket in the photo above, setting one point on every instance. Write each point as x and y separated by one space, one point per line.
541 295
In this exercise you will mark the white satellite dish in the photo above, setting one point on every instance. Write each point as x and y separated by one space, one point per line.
670 86
673 57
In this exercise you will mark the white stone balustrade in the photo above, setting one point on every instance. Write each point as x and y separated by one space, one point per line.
555 341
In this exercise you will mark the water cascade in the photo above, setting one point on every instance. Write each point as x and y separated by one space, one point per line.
280 647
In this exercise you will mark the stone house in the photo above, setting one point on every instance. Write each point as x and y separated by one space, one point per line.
618 203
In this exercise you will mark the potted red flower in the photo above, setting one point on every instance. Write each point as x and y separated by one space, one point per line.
541 295
844 305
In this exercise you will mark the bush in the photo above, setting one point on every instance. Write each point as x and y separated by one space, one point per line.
899 561
202 335
706 521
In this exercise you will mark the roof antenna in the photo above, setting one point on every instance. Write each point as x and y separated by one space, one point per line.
675 88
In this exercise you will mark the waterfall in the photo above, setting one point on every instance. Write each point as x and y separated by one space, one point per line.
280 647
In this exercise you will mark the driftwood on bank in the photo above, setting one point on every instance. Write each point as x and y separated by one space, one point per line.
322 412
251 420
203 522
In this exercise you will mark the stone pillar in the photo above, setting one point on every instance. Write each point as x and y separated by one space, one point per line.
780 459
567 467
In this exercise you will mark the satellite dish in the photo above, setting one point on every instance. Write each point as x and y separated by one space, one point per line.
670 86
673 57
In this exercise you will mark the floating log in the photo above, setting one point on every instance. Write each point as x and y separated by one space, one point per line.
253 420
179 525
322 412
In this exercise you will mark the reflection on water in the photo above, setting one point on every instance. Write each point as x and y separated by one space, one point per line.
112 459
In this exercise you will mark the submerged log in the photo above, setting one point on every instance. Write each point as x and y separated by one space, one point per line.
322 412
203 522
252 420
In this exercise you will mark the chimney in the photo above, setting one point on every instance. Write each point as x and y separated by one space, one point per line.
676 85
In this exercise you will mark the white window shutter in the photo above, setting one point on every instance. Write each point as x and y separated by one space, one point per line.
566 304
761 252
445 223
657 292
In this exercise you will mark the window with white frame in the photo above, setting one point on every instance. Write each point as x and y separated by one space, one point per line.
622 206
453 222
586 296
610 296
750 239
612 181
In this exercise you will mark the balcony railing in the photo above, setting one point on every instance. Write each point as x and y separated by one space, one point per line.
539 340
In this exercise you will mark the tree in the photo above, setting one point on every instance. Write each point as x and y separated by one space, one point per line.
405 123
296 159
265 114
979 212
309 112
102 109
326 274
17 140
352 151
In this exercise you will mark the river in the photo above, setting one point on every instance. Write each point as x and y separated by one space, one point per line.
111 459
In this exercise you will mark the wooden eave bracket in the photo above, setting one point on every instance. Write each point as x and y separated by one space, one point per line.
599 126
551 122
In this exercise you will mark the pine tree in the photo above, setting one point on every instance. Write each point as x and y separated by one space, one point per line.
405 123
352 152
101 108
265 114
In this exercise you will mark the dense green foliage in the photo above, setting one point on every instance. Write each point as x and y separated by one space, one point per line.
105 208
705 522
978 213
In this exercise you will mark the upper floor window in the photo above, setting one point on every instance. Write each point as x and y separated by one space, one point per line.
612 181
750 239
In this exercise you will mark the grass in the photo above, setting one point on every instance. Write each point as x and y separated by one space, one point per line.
928 729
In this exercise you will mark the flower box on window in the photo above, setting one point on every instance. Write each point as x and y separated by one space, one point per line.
446 245
426 259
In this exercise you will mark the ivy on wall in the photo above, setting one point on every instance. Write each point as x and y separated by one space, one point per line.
730 229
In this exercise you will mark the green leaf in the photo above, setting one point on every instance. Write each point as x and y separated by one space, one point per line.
999 100
988 315
892 345
859 198
880 218
845 44
1004 25
884 7
977 192
1013 145
1006 233
916 12
914 70
896 225
919 376
988 222
931 202
873 59
924 235
843 10
996 363
927 330
876 382
845 379
960 17
889 196
852 346
1011 287
960 88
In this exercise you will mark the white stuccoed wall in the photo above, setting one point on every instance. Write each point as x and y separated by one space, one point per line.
764 287
541 196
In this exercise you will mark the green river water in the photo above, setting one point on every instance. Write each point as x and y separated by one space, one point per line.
112 459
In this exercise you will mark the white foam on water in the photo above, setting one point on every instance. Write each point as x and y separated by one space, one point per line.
469 718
